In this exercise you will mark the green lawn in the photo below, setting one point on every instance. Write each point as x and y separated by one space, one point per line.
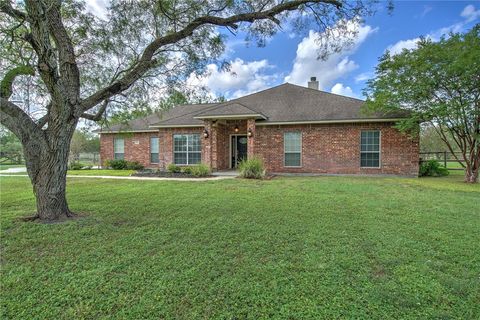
100 172
288 248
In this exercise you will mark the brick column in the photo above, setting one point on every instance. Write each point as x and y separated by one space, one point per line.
251 139
207 144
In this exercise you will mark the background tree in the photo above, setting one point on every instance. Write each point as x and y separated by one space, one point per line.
10 146
431 140
81 64
439 84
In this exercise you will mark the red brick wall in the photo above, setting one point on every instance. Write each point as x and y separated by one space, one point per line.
335 149
332 148
137 147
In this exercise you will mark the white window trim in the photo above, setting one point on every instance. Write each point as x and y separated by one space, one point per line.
301 149
186 152
150 149
379 149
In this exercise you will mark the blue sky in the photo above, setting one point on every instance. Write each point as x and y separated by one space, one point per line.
292 58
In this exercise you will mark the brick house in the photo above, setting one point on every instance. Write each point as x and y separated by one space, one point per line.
293 129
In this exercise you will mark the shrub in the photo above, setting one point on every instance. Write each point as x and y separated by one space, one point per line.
116 164
200 170
432 168
173 168
252 168
123 165
76 166
187 170
133 165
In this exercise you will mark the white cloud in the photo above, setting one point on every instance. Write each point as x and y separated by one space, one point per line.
243 77
469 13
340 89
327 71
364 76
403 44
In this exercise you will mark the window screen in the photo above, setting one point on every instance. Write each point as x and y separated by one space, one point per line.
370 149
119 148
154 149
293 149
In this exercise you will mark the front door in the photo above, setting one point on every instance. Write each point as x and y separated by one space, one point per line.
239 149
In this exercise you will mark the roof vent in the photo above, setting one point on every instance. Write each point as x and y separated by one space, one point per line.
313 83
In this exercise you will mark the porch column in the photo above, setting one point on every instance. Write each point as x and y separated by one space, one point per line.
251 138
209 145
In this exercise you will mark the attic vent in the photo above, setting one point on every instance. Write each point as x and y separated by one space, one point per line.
313 83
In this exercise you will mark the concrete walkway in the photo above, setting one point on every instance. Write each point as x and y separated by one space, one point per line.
135 178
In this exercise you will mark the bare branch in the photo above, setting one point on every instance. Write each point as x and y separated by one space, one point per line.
7 82
6 7
98 115
147 60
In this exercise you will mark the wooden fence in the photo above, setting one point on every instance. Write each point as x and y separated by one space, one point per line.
444 157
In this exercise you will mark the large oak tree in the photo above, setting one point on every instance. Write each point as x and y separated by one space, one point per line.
81 64
439 84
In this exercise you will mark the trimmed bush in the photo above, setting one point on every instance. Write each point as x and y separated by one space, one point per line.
116 164
252 168
187 170
200 170
123 165
134 165
173 168
76 166
432 168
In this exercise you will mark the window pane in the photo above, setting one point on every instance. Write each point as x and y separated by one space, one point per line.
194 157
180 158
370 160
154 157
292 159
154 145
194 143
118 145
293 142
119 156
180 142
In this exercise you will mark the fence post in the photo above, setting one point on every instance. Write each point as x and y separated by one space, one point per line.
445 158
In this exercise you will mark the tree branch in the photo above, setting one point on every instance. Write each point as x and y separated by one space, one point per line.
7 82
6 7
147 61
98 115
16 120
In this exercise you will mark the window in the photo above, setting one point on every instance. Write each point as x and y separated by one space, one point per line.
187 149
370 149
292 143
119 148
154 148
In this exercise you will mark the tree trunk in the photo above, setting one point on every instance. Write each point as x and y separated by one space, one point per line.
471 174
47 169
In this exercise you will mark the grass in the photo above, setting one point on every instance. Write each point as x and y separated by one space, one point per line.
100 172
288 248
92 172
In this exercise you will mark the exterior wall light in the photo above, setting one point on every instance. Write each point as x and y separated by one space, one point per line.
249 133
236 129
205 133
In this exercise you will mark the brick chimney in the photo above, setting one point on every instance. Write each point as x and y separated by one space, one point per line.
313 83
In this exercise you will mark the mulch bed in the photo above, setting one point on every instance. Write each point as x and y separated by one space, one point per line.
166 174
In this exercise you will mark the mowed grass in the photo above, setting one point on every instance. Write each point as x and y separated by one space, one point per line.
100 172
288 248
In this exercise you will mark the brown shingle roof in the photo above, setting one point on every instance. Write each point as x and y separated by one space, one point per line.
284 103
